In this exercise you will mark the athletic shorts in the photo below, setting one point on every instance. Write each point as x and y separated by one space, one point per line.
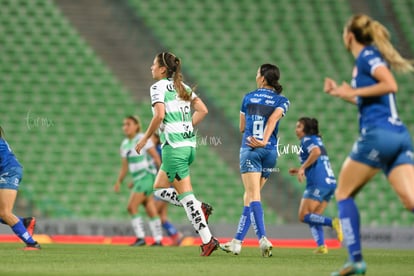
258 160
383 149
11 179
176 161
144 184
319 193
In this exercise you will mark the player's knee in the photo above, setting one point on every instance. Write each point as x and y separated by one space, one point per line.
339 195
131 209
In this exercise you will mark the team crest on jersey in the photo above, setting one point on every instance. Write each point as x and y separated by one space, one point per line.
255 100
170 87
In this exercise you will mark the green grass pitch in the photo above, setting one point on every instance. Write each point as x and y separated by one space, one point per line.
62 259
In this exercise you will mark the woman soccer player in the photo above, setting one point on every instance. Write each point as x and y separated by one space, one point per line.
171 102
10 176
143 174
384 142
320 182
260 113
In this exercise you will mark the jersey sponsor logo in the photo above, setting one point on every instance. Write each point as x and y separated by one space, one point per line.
255 100
269 102
374 61
261 95
373 155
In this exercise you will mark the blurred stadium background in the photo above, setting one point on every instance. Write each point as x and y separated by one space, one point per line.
71 70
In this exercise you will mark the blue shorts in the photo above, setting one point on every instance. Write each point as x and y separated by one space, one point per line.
258 160
383 149
319 193
11 179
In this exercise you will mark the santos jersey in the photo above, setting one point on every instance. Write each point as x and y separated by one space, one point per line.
7 158
139 165
177 127
320 172
380 111
257 106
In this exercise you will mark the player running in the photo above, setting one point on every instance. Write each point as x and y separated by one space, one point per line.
172 101
320 182
384 142
11 173
143 174
260 114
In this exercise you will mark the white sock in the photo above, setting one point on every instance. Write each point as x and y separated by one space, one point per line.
156 229
169 195
194 213
138 226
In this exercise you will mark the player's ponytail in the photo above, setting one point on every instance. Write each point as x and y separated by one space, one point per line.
310 126
271 74
368 31
173 65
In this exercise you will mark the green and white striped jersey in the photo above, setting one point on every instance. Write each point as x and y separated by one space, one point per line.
138 164
177 127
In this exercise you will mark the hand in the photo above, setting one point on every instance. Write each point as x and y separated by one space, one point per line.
117 187
293 171
255 143
130 185
329 85
140 145
301 174
345 91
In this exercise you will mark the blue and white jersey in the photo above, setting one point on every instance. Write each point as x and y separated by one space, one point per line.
7 158
320 173
257 106
380 111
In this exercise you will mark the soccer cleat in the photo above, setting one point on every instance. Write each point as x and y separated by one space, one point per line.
177 239
138 242
234 246
207 210
323 249
351 268
208 248
32 246
30 224
155 244
336 225
266 247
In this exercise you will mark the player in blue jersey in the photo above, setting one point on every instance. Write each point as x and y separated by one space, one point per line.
11 173
320 182
260 114
384 142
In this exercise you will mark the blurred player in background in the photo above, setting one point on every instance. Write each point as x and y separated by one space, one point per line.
384 142
260 114
143 175
320 182
162 206
172 101
11 173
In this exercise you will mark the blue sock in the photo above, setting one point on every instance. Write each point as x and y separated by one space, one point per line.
349 216
317 219
170 228
244 224
257 218
3 222
317 234
22 233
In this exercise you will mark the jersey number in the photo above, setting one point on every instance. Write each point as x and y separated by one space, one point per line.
186 118
258 129
328 168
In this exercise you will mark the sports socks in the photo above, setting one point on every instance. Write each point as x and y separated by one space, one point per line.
138 226
317 234
156 230
22 233
244 224
169 195
349 216
317 220
195 214
257 219
169 228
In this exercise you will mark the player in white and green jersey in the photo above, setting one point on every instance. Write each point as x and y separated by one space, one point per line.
143 175
172 101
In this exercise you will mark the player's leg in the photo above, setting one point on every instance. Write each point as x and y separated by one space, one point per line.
310 211
155 221
401 178
136 198
7 200
353 176
170 229
163 189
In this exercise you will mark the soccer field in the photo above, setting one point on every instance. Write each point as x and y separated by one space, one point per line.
62 259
